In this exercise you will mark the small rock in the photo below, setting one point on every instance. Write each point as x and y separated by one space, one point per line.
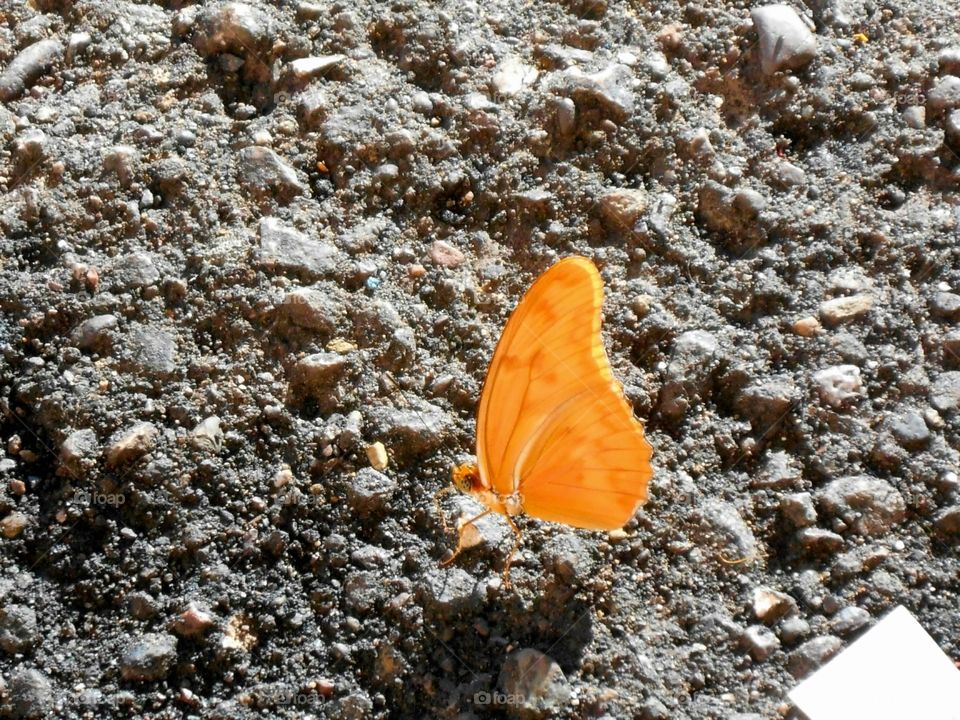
760 642
945 95
720 525
152 351
133 271
122 160
79 451
946 305
849 620
370 491
870 506
767 401
570 558
951 136
512 75
793 628
413 431
207 435
445 255
779 472
131 444
451 592
693 361
314 308
285 249
948 521
610 90
945 391
770 605
844 309
18 628
310 67
377 456
910 430
93 335
149 658
13 524
819 541
32 62
812 654
786 42
915 116
623 207
798 509
193 622
30 694
838 384
261 169
318 373
535 683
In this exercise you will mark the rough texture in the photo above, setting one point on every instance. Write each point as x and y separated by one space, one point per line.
244 243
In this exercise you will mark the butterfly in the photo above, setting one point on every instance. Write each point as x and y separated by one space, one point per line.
556 439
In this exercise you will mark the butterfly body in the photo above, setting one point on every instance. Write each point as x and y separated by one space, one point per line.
556 439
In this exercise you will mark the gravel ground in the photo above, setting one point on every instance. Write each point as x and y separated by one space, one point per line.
254 263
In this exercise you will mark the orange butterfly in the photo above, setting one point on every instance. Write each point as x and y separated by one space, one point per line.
556 439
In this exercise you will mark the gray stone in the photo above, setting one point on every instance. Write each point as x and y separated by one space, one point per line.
812 654
18 628
207 435
793 629
870 506
838 385
79 450
94 334
370 491
760 642
569 557
945 95
261 169
767 401
945 391
779 472
29 64
151 350
692 362
319 308
849 620
845 309
535 683
317 373
135 270
770 605
149 658
786 42
131 443
414 431
720 525
946 305
30 694
287 250
304 69
910 430
610 90
798 509
948 521
819 540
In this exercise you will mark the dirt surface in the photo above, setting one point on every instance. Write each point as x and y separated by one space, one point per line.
243 244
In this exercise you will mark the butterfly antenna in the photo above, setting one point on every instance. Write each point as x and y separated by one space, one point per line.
463 527
517 539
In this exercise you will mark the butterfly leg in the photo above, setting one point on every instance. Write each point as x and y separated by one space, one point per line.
471 521
518 538
436 504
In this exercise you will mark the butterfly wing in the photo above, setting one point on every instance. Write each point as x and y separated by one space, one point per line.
553 423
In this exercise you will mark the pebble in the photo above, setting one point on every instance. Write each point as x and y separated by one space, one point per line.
318 373
13 524
623 208
94 334
18 628
513 75
451 591
951 136
151 350
779 472
370 491
838 384
945 95
948 61
314 308
149 658
693 360
819 541
79 451
945 391
121 160
261 169
535 683
870 506
720 525
844 309
812 654
610 90
798 509
945 305
849 620
570 558
760 642
29 64
445 255
915 116
910 430
310 67
948 521
30 693
232 27
377 456
786 42
131 443
76 44
793 628
193 622
284 249
767 401
415 431
207 435
770 605
133 271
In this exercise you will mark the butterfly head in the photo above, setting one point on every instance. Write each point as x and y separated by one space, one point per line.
466 478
